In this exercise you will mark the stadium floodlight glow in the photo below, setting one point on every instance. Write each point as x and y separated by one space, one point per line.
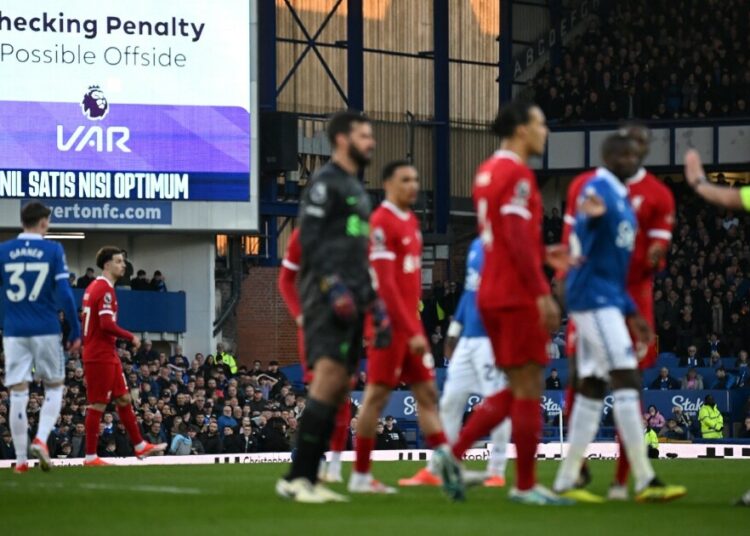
65 236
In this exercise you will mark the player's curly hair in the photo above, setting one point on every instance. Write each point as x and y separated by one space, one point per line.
105 254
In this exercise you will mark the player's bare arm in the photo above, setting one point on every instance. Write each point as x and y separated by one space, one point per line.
718 195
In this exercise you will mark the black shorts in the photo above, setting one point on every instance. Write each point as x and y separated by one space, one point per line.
327 336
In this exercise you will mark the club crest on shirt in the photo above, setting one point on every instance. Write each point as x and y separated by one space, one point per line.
483 178
108 299
637 201
522 193
318 193
378 239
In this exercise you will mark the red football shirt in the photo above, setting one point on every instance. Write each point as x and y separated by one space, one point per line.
396 257
288 275
509 210
654 208
99 317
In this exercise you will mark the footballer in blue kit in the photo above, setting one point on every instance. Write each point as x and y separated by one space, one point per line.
471 371
601 245
34 287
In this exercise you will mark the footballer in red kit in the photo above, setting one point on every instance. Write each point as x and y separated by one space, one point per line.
514 297
395 256
290 267
102 369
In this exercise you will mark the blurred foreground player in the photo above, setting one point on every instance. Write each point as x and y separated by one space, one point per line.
471 371
330 472
105 380
396 257
731 198
34 280
515 299
653 205
602 241
336 292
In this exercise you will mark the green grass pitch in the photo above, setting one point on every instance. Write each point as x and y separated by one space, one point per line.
223 500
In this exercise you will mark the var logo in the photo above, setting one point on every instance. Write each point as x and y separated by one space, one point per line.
95 107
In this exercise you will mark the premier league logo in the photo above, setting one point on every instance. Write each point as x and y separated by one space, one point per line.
95 105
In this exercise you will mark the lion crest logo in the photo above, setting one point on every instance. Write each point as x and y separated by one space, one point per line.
95 105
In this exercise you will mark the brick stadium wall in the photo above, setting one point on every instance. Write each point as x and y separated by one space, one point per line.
265 330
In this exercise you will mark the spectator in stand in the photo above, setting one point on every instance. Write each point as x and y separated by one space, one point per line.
745 430
156 433
396 438
667 336
382 439
715 361
692 359
225 359
125 280
664 381
682 419
247 440
692 380
553 383
140 282
157 283
232 443
182 444
673 431
654 419
146 354
711 419
85 280
724 381
276 373
196 447
211 440
7 451
713 343
742 360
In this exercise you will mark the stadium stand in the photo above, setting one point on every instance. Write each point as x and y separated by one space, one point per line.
632 64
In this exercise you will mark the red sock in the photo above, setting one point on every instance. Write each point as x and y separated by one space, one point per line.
623 466
127 417
527 430
364 447
435 440
570 397
492 411
341 430
93 418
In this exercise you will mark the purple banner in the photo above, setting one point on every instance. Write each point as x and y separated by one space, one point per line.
207 141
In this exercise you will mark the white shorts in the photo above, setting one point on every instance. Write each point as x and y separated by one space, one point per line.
603 343
472 368
42 355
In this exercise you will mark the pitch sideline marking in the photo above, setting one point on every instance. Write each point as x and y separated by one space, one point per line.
175 490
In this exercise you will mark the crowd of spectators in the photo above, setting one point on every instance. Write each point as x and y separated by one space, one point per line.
141 281
652 60
204 405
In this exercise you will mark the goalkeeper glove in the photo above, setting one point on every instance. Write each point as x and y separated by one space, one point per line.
382 324
340 298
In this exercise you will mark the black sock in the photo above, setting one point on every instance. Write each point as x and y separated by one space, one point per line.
314 435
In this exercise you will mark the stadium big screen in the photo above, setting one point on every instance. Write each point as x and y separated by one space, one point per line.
134 114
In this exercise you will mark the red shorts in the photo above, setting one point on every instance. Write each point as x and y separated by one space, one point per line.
105 381
571 341
389 366
517 336
643 296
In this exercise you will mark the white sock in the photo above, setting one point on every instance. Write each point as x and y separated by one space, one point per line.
498 454
140 446
627 413
50 412
584 422
452 406
334 466
91 457
19 424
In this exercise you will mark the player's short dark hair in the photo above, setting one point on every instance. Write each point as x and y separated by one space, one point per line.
615 143
33 213
341 123
391 167
105 254
511 116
